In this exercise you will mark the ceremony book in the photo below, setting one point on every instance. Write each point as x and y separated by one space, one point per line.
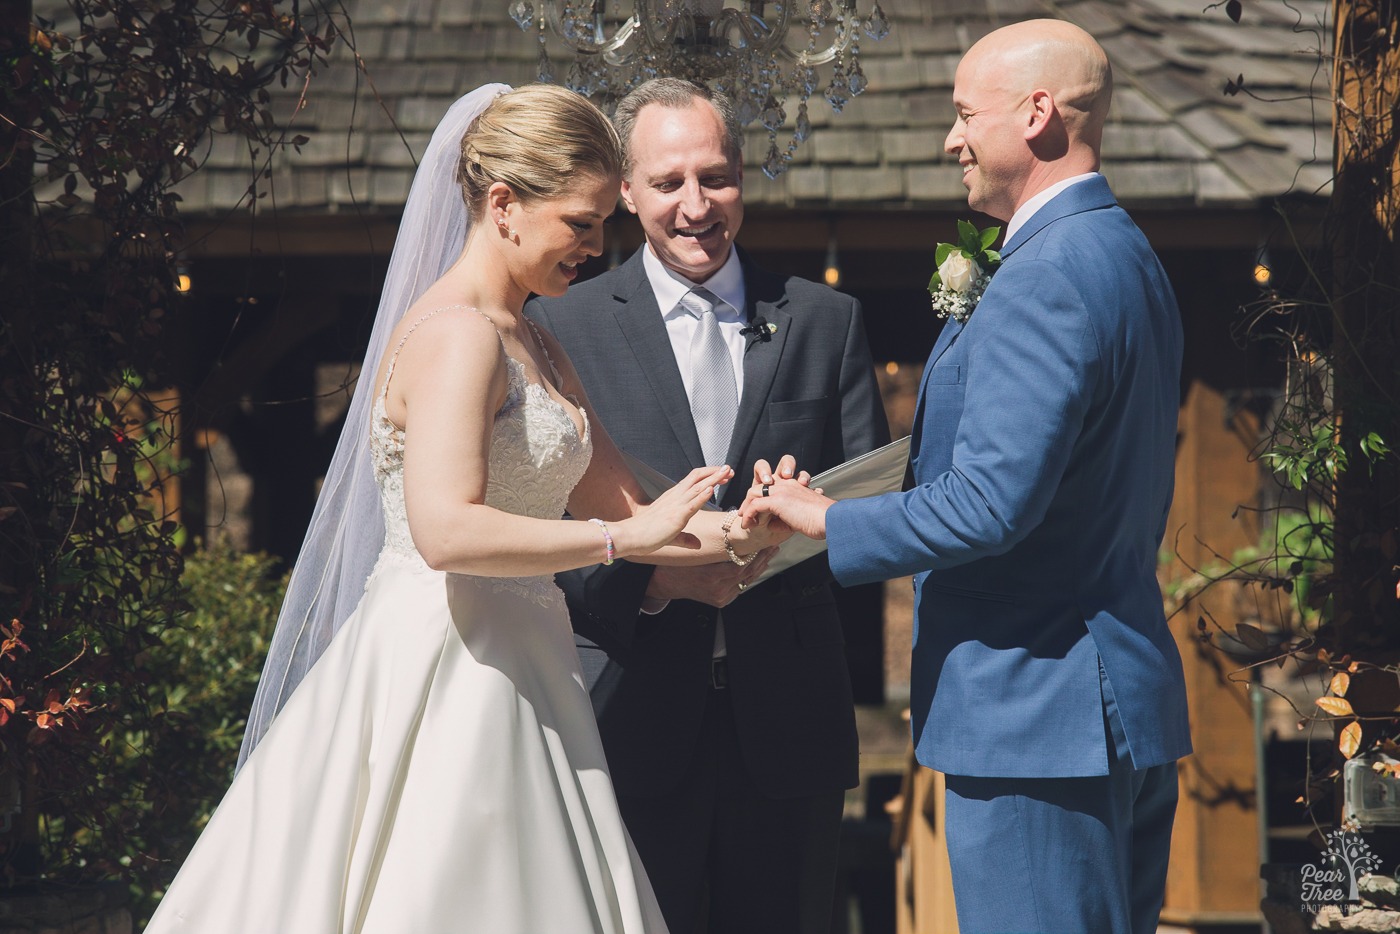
879 471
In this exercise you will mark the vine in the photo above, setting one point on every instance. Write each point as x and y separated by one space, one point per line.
1333 543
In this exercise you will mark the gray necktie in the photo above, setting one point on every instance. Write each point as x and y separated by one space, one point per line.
714 395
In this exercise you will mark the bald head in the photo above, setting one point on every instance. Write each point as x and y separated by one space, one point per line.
1056 56
1031 100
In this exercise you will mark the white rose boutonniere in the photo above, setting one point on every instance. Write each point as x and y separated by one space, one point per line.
959 272
964 269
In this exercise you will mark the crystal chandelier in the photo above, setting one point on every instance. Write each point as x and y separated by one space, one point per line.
742 48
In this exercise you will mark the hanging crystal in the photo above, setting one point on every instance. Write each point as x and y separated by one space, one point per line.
545 68
568 22
857 81
576 80
804 124
523 12
773 165
855 76
876 26
773 114
746 111
836 90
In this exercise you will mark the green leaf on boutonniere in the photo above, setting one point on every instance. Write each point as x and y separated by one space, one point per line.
969 239
989 236
941 253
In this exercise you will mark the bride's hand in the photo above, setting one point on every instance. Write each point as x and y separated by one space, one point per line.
663 521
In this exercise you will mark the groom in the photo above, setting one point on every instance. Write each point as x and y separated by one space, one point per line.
724 705
1046 684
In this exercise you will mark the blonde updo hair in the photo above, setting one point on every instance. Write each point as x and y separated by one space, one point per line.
537 139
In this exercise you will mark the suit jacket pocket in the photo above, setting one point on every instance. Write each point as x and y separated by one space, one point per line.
795 409
947 374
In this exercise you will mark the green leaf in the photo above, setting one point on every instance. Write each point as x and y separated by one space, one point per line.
993 257
968 238
943 251
989 236
935 283
1374 447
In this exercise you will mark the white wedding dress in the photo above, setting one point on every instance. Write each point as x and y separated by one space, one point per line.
439 770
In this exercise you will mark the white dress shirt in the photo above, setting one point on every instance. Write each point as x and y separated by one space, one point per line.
1026 211
727 284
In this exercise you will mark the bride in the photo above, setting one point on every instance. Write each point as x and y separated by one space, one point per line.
438 769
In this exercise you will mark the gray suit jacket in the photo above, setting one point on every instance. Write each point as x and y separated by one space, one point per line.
809 391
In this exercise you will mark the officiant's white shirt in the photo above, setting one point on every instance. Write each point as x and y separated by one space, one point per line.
1026 211
727 284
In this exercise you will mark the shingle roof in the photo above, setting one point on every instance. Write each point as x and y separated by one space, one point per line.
1174 138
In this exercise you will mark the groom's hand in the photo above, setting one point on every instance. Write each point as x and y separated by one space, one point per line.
775 498
763 479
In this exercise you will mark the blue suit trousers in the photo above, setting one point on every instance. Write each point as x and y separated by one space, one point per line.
1063 855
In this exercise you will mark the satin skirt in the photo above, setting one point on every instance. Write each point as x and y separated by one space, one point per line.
438 771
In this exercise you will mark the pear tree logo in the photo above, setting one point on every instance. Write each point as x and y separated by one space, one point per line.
1333 879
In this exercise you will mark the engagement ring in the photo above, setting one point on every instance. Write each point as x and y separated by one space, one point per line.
743 586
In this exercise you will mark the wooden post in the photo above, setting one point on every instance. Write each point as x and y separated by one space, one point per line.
1213 877
923 878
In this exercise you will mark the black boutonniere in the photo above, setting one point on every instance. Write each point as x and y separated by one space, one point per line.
759 329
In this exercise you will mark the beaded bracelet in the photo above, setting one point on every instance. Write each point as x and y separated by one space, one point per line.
607 541
743 561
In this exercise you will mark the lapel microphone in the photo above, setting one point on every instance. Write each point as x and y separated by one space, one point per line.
758 329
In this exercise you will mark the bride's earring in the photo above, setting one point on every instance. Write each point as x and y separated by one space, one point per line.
510 231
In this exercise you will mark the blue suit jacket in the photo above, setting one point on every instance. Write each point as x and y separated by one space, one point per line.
1043 457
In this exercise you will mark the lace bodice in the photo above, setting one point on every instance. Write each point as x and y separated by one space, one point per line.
537 456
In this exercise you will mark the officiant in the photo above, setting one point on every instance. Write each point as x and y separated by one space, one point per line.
724 704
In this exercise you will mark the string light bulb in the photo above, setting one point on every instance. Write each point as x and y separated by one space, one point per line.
831 275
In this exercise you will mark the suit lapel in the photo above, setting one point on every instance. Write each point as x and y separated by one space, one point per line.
766 298
945 340
639 319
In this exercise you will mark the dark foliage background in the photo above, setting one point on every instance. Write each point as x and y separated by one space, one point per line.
102 112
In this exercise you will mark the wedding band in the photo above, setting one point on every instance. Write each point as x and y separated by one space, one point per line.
765 489
743 586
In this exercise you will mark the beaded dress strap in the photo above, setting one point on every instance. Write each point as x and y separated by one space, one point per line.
393 361
544 349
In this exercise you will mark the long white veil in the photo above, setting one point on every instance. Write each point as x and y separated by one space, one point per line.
347 526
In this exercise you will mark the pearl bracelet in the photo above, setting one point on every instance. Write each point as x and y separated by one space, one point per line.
607 541
742 561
